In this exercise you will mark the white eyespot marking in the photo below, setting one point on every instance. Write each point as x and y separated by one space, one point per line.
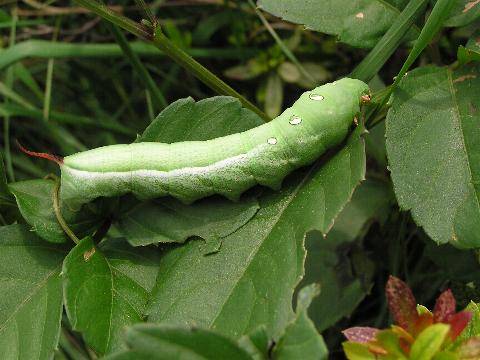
295 120
272 141
316 97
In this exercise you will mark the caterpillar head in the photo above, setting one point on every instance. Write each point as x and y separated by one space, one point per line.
331 105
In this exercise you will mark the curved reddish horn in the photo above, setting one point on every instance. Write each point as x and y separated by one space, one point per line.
51 157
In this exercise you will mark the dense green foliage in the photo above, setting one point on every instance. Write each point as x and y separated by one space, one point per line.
278 274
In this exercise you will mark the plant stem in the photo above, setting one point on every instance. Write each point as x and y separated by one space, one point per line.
200 72
58 212
108 14
170 49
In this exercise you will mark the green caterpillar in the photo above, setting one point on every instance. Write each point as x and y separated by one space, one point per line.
228 165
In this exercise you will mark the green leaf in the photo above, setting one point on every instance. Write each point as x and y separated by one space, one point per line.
250 282
391 343
248 71
31 288
6 197
34 199
473 327
471 51
326 263
207 119
256 343
433 150
358 23
357 351
210 219
106 288
445 355
300 339
429 342
164 342
464 12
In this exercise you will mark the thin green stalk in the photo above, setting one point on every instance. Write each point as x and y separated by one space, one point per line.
174 52
140 69
6 122
49 79
58 213
21 23
389 42
280 43
151 112
112 16
439 14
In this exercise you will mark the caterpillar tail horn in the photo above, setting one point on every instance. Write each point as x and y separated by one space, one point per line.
57 159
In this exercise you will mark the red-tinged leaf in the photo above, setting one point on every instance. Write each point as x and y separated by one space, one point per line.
403 334
445 307
405 339
376 348
405 346
360 334
424 320
401 302
458 322
470 349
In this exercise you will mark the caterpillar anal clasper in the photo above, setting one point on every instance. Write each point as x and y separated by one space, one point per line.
228 165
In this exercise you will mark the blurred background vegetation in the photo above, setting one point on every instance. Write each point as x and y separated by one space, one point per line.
67 86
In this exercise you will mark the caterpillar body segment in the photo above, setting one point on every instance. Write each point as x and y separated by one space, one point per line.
228 165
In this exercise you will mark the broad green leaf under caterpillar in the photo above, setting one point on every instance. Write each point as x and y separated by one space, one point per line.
228 165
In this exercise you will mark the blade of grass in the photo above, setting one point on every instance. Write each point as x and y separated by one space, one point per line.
9 94
389 42
24 75
439 14
48 81
47 49
143 74
21 23
434 23
173 51
6 122
64 118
